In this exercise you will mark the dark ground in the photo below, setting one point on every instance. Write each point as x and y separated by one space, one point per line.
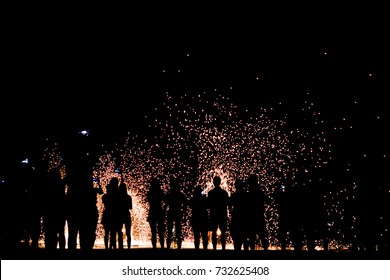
191 254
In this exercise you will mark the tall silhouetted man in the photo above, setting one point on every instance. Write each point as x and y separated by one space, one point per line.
176 206
199 217
110 219
218 201
156 216
257 206
125 205
54 218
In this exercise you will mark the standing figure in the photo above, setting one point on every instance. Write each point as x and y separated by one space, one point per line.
257 227
218 201
82 211
125 204
110 218
199 217
90 214
54 218
176 205
155 197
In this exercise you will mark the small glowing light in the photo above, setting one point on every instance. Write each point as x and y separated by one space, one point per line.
218 232
84 132
369 74
25 161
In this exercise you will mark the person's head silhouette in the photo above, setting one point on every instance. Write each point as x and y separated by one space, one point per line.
123 188
217 181
114 182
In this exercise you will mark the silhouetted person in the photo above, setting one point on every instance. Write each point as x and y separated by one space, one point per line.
54 219
239 219
90 215
176 205
218 201
111 219
257 226
155 198
199 217
82 211
74 200
125 204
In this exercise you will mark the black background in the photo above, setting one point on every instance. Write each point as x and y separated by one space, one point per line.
66 72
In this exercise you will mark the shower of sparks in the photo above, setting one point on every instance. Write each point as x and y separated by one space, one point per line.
343 229
341 221
132 161
194 138
52 157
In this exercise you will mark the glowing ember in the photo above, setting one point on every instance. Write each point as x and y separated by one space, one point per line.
195 138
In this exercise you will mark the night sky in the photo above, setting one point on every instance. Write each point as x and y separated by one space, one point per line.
61 79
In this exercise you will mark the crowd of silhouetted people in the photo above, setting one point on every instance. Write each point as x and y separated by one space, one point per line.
208 213
48 200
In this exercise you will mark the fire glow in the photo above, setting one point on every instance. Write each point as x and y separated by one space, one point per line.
194 138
